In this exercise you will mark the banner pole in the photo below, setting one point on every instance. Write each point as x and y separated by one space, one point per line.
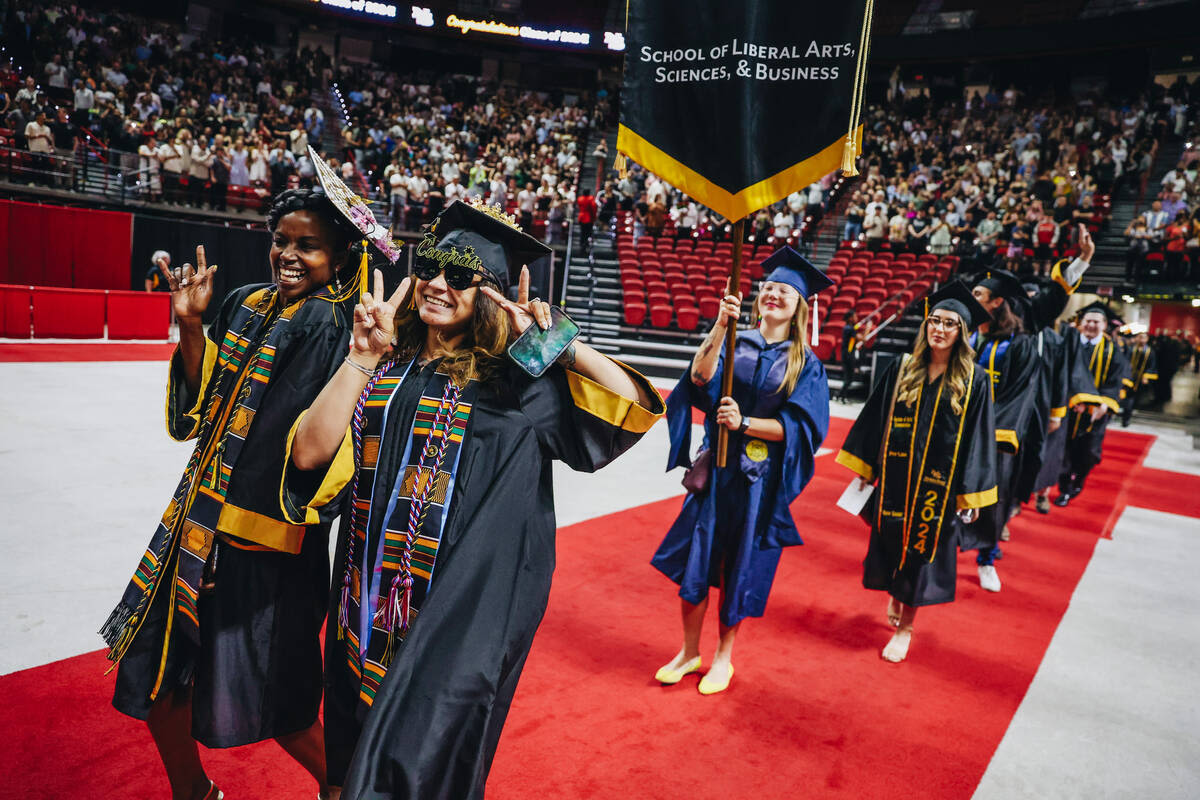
735 279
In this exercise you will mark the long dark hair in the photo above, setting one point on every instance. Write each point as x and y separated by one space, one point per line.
1004 322
479 357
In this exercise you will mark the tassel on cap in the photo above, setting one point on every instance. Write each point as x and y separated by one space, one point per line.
364 267
815 324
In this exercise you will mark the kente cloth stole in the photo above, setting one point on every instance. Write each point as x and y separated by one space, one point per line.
993 351
184 538
912 503
411 525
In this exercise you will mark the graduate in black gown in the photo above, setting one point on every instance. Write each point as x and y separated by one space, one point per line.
1143 371
217 637
730 532
1008 356
437 453
927 438
1090 345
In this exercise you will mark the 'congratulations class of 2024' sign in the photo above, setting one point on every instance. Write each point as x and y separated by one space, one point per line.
740 104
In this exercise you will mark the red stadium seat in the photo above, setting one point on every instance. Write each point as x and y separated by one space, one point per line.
635 314
660 315
689 317
709 305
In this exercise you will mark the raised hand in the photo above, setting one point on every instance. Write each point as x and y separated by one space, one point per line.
374 317
731 309
191 288
1087 248
524 312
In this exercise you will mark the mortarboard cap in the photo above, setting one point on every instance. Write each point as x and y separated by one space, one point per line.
956 297
785 265
1002 283
1100 308
485 236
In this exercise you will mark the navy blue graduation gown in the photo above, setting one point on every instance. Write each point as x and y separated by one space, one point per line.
733 532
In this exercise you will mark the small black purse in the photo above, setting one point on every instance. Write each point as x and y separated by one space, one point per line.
695 480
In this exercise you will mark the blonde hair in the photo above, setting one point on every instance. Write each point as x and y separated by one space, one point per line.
796 335
915 370
478 357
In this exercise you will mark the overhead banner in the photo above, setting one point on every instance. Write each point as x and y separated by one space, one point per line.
741 104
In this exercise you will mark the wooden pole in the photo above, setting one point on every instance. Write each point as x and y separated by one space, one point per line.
735 279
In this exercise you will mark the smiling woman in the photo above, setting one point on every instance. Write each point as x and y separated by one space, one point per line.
195 659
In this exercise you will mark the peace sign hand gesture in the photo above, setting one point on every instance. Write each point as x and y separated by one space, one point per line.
191 288
374 317
524 312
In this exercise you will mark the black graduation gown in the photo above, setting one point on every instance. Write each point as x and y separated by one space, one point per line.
436 719
1143 370
921 581
1013 366
1068 378
1109 370
257 672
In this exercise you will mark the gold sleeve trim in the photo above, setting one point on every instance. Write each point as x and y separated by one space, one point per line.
608 406
1005 436
260 529
339 473
1127 382
206 369
1057 276
977 499
1058 413
855 464
1150 376
1095 399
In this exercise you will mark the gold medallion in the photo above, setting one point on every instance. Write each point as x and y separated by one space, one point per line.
756 450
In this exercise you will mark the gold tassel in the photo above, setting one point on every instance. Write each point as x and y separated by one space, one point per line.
364 267
621 165
850 151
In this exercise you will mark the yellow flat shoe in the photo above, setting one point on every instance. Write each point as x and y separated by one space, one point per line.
712 686
668 676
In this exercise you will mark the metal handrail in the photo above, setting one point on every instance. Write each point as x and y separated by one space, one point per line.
895 314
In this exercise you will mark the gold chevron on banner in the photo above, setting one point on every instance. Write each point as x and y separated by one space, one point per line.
729 205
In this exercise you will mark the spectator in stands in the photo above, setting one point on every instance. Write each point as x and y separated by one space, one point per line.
898 231
1139 237
219 171
848 352
1045 240
556 218
918 232
941 235
783 224
64 132
154 281
875 226
1175 247
855 216
1156 221
239 163
586 215
199 171
40 143
526 203
656 215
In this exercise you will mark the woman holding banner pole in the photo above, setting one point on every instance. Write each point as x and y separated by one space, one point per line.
735 520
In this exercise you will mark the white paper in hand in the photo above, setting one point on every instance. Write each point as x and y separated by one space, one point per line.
855 498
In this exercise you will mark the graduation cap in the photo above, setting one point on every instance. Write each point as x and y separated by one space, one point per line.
1002 283
356 210
786 265
956 297
482 238
1101 308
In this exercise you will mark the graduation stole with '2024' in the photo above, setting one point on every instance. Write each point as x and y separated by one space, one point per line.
378 605
912 504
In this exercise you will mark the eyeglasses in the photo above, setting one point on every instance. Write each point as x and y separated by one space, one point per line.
457 276
943 323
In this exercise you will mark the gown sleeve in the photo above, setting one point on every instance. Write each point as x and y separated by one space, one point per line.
805 420
1114 387
683 398
1014 402
184 406
976 484
1059 384
584 424
860 452
312 497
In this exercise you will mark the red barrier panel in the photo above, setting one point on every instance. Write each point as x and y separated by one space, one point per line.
49 245
68 313
15 315
139 315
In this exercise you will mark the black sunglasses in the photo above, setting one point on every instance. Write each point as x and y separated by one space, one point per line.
457 276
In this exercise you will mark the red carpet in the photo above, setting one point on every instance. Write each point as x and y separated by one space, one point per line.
85 351
812 711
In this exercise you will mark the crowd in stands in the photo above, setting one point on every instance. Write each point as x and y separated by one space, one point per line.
1164 240
209 124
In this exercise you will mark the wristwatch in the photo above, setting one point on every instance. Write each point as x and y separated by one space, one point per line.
745 425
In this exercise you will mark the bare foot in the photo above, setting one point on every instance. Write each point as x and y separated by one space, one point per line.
893 612
897 648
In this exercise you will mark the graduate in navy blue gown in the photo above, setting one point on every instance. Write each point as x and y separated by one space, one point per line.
733 527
